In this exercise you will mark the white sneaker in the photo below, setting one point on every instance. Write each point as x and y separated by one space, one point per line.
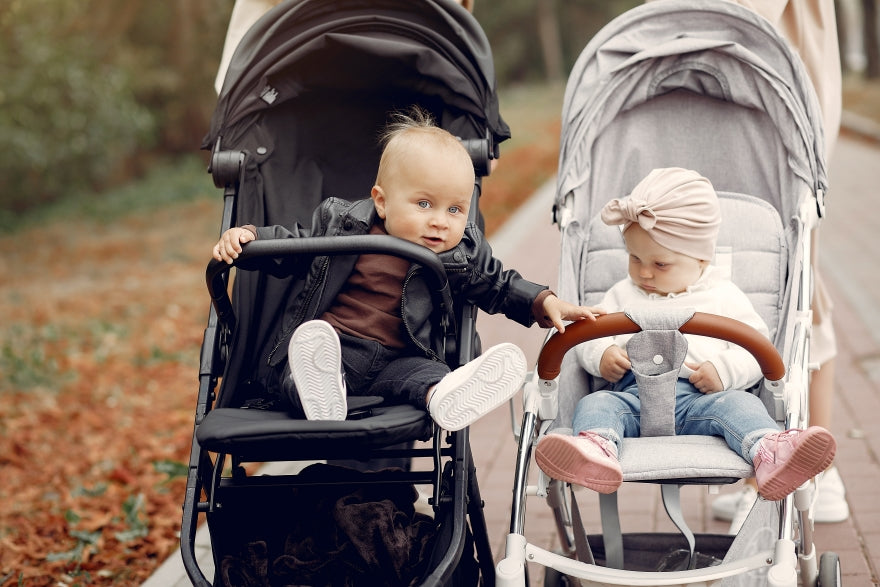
735 507
830 504
315 358
478 387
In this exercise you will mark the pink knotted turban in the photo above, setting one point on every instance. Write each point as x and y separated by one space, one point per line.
677 207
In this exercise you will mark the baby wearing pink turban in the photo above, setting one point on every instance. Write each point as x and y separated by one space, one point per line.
678 208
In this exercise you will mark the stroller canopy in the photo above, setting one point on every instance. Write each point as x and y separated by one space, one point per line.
741 96
314 81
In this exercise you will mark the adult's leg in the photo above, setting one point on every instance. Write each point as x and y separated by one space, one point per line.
244 14
811 28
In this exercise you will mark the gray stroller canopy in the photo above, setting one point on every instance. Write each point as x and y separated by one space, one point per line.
693 83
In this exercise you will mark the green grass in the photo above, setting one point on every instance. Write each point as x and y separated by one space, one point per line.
27 359
182 180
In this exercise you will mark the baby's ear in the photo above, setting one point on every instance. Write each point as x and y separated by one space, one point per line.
378 195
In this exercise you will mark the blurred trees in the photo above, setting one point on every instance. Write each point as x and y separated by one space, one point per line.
541 39
857 32
93 88
869 36
94 91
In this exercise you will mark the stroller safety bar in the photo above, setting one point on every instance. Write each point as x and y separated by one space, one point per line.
550 359
357 245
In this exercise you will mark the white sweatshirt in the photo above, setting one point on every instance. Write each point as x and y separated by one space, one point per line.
712 294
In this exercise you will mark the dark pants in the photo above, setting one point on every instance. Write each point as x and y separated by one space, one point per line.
373 369
370 368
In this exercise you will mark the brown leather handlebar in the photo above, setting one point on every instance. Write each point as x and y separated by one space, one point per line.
550 359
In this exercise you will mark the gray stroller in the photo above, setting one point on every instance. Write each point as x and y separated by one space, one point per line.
710 86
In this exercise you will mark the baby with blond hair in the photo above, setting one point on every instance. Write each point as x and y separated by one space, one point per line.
365 324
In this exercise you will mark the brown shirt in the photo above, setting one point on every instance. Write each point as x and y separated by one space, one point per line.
368 306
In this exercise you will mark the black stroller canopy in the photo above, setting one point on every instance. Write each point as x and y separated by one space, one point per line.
434 53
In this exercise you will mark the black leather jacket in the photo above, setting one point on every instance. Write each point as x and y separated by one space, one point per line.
473 273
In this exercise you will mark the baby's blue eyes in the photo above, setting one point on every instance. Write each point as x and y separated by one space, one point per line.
425 204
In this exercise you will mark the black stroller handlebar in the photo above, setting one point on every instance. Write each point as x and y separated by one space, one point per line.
703 324
325 245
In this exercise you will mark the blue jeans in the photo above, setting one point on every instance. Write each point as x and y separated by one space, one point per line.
737 416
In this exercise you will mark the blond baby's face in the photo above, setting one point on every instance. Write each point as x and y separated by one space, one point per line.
425 197
656 269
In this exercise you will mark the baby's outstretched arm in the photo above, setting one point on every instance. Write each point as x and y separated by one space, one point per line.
229 246
558 310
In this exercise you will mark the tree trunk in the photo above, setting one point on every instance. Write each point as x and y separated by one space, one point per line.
872 47
842 35
550 39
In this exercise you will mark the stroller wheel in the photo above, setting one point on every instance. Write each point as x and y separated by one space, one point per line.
829 570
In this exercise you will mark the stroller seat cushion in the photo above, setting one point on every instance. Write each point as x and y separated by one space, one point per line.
263 435
681 458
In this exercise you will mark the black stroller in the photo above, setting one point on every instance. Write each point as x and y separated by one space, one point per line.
309 89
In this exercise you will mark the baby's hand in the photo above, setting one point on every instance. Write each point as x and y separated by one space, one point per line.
705 377
229 246
558 310
614 364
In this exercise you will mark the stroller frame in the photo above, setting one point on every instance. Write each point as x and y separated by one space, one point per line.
283 112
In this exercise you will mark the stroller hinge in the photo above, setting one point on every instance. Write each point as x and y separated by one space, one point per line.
225 167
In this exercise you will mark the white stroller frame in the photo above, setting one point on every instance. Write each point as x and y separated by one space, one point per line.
729 79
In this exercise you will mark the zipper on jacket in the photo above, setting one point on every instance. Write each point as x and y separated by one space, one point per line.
430 352
300 316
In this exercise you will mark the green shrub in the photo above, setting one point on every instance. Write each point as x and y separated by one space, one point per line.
68 117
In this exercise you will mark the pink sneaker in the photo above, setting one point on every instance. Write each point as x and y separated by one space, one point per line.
785 460
589 460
